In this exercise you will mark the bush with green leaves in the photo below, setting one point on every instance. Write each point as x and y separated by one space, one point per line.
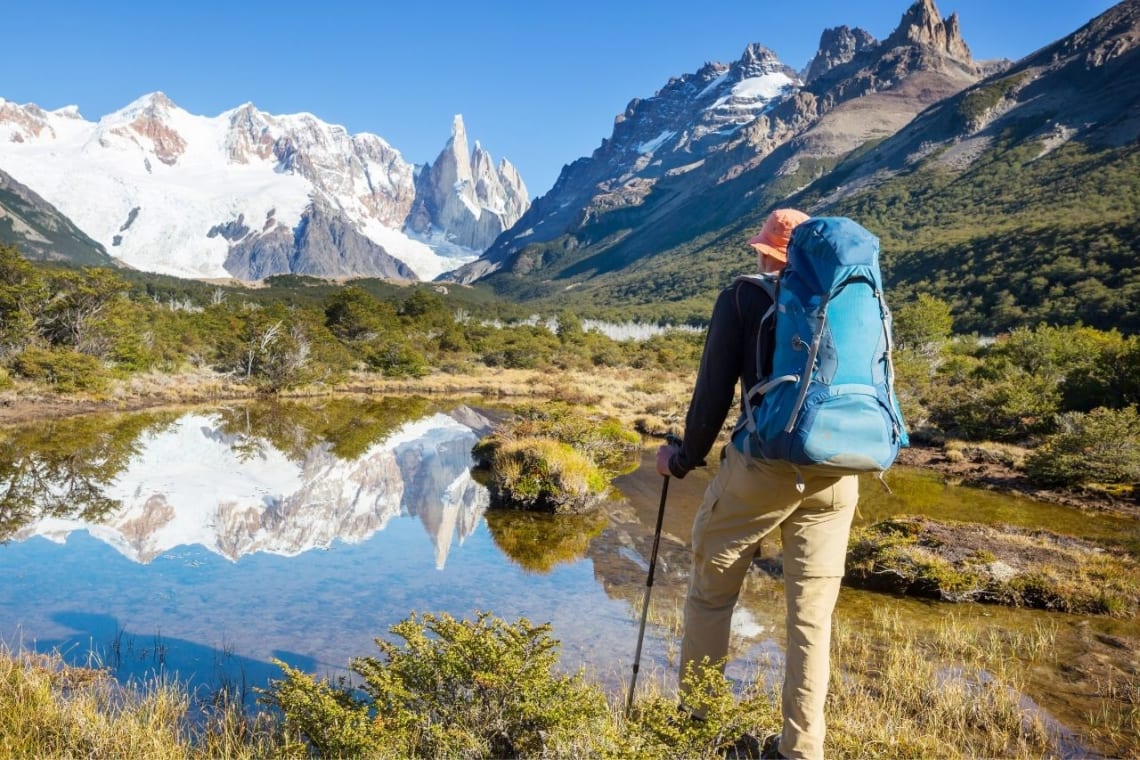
455 688
64 369
1014 388
1110 378
556 458
657 728
1008 408
923 324
601 438
1100 447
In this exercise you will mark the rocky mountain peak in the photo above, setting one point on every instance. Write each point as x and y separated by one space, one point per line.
20 122
153 105
248 136
455 157
329 203
923 25
756 60
837 46
157 101
463 193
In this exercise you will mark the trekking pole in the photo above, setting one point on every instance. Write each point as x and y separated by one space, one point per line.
674 441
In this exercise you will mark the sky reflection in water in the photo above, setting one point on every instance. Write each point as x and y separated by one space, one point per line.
220 560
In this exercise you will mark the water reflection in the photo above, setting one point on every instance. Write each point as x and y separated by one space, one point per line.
207 543
538 541
62 468
252 479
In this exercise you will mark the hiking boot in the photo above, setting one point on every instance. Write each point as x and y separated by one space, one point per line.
771 748
747 746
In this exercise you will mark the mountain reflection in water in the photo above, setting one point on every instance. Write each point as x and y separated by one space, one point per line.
186 543
192 484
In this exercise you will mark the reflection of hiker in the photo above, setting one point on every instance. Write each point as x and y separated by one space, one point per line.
750 498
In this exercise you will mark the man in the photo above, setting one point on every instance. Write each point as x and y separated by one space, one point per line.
750 498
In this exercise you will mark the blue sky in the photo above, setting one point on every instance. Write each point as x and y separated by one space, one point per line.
537 82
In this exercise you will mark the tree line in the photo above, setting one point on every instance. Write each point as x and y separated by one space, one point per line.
1067 394
75 330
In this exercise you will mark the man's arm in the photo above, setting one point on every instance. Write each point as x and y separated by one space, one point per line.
715 386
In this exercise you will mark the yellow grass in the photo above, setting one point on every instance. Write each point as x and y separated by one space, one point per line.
49 709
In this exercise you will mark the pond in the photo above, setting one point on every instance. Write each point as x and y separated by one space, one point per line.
207 543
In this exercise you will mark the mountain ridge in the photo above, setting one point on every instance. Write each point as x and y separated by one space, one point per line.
43 232
654 219
151 181
923 60
853 141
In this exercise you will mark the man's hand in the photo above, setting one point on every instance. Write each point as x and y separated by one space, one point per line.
664 454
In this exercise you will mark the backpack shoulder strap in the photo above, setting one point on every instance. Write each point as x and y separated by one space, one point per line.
770 284
766 282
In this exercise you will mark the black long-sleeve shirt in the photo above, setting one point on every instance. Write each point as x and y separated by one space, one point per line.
730 354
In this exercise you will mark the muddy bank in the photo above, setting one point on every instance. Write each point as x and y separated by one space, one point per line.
994 564
1001 477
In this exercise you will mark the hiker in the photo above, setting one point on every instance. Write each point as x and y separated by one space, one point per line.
751 497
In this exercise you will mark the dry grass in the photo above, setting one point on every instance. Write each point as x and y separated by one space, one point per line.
986 452
952 691
957 561
948 691
51 709
652 406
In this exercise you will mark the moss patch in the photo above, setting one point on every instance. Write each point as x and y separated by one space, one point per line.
964 562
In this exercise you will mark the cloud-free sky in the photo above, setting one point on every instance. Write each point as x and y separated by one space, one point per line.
537 82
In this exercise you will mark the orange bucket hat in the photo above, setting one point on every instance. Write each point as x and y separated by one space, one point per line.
776 232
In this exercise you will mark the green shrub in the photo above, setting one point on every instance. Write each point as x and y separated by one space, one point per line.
482 688
1110 377
556 458
922 324
64 369
1008 408
602 439
1102 447
543 475
398 360
657 729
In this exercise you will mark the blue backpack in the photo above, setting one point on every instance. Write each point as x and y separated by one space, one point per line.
829 400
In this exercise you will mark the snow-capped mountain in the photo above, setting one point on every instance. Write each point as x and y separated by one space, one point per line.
192 483
247 194
706 147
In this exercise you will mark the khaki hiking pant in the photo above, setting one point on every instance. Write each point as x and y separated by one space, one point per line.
746 501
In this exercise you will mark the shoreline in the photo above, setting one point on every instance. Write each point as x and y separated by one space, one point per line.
998 477
618 393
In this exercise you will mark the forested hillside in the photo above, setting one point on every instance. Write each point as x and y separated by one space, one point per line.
1014 200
